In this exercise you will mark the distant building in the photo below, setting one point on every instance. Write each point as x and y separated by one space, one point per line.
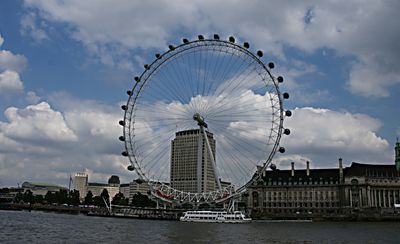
397 155
112 187
81 184
40 188
191 166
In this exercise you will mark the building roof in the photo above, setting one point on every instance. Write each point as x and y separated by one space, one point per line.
371 170
28 184
301 175
97 184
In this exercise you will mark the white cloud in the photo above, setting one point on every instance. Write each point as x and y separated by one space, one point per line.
37 123
323 135
11 61
79 135
1 40
10 82
31 97
29 27
308 26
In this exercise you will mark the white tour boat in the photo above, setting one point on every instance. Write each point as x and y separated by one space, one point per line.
214 217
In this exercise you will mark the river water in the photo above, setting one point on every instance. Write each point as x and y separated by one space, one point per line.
44 227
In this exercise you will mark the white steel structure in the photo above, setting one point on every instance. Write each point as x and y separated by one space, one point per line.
210 85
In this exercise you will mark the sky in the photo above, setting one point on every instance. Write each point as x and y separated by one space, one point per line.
65 67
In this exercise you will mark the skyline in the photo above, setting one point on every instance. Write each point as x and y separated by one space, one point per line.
65 67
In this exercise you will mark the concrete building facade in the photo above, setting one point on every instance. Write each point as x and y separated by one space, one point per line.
81 184
191 165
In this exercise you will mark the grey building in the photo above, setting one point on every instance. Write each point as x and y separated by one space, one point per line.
191 166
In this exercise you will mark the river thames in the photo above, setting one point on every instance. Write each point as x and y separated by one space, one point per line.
45 227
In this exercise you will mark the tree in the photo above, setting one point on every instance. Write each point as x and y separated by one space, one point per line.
61 196
140 200
119 199
98 201
74 198
38 199
104 194
89 198
28 197
19 197
50 197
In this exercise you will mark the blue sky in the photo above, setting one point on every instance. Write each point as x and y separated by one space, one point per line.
65 67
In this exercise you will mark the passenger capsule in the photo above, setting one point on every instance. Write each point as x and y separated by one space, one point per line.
286 131
121 138
186 41
288 113
246 45
122 123
124 107
137 79
201 37
125 154
280 79
232 39
129 92
146 66
131 168
282 150
259 53
158 56
285 95
171 47
271 65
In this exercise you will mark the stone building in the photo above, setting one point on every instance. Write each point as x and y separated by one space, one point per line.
359 187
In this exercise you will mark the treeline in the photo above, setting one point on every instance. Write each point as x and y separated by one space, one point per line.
72 198
59 197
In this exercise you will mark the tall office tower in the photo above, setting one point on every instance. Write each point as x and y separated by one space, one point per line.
397 154
191 165
81 184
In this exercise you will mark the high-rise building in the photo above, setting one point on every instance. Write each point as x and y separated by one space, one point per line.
191 165
81 184
397 155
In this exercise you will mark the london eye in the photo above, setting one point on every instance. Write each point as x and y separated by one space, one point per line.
203 120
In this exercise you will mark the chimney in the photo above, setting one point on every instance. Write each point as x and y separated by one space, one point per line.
292 169
340 170
308 168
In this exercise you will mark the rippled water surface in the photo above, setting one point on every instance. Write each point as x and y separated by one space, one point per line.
42 227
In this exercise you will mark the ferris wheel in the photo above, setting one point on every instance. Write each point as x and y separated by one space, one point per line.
203 120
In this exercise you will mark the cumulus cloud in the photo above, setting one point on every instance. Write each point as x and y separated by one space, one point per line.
10 82
11 61
1 40
322 135
37 123
308 26
79 135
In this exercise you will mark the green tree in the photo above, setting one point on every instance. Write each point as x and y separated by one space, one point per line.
50 197
119 199
19 197
38 199
74 198
28 197
98 201
140 200
89 198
